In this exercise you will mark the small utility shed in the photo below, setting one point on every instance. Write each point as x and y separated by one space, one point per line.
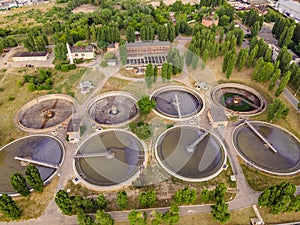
217 117
111 62
73 130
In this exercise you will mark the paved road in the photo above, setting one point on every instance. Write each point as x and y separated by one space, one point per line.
290 97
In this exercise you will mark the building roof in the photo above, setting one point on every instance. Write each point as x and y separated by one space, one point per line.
111 45
217 114
88 48
291 7
74 125
30 54
111 60
147 43
257 2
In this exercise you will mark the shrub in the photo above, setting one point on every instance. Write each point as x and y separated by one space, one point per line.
141 129
10 98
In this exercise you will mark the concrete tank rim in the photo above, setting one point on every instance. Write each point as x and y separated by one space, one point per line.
239 86
254 165
108 94
41 135
123 184
184 88
46 97
192 179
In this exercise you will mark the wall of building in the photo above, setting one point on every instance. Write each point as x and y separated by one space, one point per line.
33 58
83 55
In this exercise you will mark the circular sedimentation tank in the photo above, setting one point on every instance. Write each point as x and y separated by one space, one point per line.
109 159
283 158
190 153
113 109
238 98
45 113
177 102
40 148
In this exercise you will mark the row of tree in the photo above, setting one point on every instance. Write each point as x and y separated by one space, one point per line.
33 179
280 198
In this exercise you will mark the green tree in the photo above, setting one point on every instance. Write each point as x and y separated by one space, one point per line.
137 218
274 78
231 63
204 58
155 73
285 79
122 199
19 184
147 199
257 69
226 60
205 195
164 71
157 218
130 34
277 110
255 29
103 218
149 76
195 59
123 53
146 104
64 202
9 208
185 196
284 58
101 201
106 14
40 44
242 58
84 219
252 56
60 51
220 212
171 217
33 178
141 129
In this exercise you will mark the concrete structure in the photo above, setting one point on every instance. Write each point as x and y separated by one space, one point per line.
289 8
113 47
217 117
151 47
85 86
73 130
140 54
83 52
7 4
143 61
111 62
30 56
209 21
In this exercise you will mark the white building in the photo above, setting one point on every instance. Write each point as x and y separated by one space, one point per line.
289 8
30 56
8 4
83 52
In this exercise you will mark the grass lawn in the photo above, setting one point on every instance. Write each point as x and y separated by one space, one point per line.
278 218
259 180
33 206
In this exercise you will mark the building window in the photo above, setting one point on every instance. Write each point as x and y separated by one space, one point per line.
76 54
82 54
